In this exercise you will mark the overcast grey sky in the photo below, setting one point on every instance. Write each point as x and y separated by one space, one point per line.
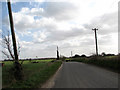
42 25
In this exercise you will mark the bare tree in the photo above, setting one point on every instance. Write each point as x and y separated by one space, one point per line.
7 45
7 51
18 72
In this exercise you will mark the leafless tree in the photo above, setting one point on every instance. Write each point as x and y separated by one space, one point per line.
7 45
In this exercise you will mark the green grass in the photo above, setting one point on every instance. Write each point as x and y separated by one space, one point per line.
35 74
67 59
27 61
6 71
0 77
44 60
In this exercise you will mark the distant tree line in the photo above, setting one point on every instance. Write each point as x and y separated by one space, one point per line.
76 56
102 54
30 59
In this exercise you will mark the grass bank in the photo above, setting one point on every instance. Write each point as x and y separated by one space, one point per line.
111 63
35 74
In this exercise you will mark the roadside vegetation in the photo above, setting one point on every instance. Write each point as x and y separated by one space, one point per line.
109 62
35 74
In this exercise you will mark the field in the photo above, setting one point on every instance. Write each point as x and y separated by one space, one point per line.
0 78
35 74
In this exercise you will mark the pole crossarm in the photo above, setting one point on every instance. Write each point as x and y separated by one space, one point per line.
94 29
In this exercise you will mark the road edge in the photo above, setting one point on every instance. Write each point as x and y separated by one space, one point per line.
51 81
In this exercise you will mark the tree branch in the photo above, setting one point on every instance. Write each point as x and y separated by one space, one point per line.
5 54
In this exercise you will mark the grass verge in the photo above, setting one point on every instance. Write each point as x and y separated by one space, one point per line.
35 75
109 63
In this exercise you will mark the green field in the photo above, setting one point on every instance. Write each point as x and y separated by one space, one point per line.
35 74
0 77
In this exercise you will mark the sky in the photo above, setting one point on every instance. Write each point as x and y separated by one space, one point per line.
42 25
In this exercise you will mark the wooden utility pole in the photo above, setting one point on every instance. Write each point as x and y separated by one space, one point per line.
18 68
57 53
95 29
71 54
12 31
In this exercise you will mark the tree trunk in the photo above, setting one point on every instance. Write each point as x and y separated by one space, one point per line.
18 72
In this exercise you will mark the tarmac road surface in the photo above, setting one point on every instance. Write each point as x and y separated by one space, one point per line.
80 75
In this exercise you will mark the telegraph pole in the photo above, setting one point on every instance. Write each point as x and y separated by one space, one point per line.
12 31
18 74
95 29
71 54
57 53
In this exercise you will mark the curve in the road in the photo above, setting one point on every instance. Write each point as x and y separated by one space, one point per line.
80 75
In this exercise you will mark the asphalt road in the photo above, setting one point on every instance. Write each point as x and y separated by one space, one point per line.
80 75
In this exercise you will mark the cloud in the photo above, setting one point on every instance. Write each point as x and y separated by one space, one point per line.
60 10
57 10
62 35
0 30
68 25
32 11
106 24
